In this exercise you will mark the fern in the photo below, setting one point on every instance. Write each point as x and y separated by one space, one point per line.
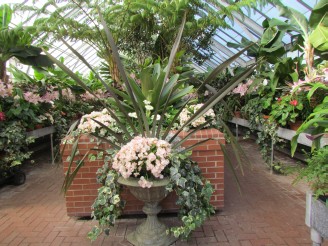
135 22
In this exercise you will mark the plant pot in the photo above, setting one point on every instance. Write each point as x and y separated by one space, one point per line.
295 125
266 117
38 126
12 176
237 114
316 218
151 232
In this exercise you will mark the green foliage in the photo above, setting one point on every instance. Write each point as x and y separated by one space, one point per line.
16 42
316 172
151 83
162 88
265 129
279 167
5 15
108 205
287 109
141 29
267 138
13 144
194 195
316 124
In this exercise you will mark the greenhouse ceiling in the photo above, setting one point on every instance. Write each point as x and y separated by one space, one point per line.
247 27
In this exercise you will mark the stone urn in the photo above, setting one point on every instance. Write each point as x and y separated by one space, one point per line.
152 231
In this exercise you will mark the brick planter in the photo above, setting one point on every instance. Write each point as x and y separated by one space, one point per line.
83 190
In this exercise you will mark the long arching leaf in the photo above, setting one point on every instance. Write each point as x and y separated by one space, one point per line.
169 65
108 88
190 133
138 108
216 98
80 82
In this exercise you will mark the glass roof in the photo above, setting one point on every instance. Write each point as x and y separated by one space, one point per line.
249 27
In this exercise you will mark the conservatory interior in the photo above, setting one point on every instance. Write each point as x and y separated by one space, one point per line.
164 122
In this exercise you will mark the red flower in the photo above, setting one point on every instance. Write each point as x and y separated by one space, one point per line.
2 116
279 99
293 102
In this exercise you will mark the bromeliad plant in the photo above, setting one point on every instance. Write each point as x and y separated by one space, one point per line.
172 160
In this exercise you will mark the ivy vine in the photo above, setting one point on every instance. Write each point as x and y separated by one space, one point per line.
193 193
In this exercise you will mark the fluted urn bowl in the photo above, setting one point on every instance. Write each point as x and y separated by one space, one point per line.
151 232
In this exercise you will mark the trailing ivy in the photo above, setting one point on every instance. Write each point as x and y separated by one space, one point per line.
193 195
108 205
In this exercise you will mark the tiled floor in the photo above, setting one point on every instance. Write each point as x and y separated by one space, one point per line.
269 212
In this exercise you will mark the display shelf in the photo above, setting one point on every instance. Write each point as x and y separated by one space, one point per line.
283 133
38 133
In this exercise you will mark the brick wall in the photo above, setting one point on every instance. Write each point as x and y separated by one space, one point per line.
83 190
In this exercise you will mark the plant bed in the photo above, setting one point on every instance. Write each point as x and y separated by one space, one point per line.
83 191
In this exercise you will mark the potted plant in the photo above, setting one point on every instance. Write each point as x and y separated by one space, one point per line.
146 123
316 173
287 109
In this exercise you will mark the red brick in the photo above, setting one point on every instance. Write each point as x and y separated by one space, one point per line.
84 188
207 153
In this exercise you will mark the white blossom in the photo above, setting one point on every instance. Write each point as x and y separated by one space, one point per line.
133 115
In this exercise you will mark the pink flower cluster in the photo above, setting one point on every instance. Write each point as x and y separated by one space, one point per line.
143 156
50 96
87 96
297 85
5 89
32 98
242 88
68 94
187 112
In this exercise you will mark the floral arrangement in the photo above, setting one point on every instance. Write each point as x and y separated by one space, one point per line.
190 110
95 122
5 89
143 158
146 148
242 88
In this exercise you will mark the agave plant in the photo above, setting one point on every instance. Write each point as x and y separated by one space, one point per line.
151 83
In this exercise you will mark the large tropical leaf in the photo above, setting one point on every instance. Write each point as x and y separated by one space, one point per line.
319 38
296 18
319 14
5 16
317 122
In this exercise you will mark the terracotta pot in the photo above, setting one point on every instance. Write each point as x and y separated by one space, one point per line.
38 126
295 125
237 114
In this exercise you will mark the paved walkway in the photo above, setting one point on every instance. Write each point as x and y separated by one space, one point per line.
269 212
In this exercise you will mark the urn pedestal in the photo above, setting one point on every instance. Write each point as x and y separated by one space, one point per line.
152 231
